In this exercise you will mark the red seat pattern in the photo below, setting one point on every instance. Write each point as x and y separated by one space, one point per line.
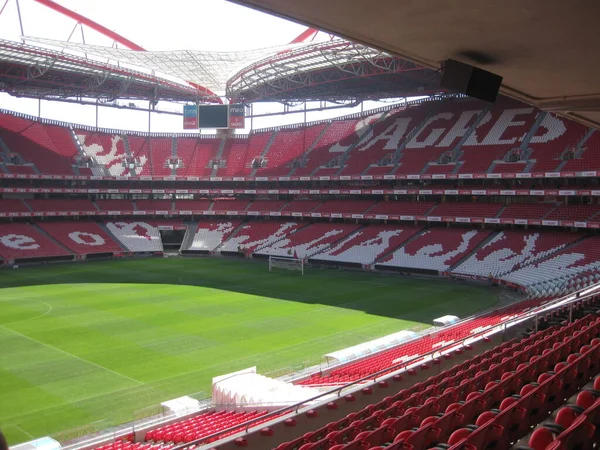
526 211
266 205
51 205
82 238
20 169
256 235
436 249
192 205
13 206
18 240
288 145
201 426
234 154
50 147
404 208
195 155
344 206
120 445
140 151
301 206
310 240
106 149
517 167
224 206
115 205
161 153
154 205
449 209
211 234
574 212
339 135
256 144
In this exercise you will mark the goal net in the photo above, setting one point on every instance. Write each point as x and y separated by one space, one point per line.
286 263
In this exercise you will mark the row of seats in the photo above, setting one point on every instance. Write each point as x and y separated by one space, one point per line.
403 208
488 401
410 140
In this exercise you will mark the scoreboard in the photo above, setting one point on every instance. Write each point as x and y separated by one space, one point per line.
214 116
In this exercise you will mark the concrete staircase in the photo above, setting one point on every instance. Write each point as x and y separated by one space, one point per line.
218 157
265 150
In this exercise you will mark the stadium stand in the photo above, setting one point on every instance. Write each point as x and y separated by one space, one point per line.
435 249
154 205
402 208
309 240
136 236
368 244
140 152
223 206
48 205
195 155
234 156
24 241
192 205
82 238
106 149
115 205
455 209
344 206
255 235
301 206
161 153
209 235
266 205
526 211
13 206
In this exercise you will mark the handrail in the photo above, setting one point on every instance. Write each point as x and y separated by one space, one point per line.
569 298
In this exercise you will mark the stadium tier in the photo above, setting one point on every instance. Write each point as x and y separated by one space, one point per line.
82 238
209 235
430 138
24 241
256 235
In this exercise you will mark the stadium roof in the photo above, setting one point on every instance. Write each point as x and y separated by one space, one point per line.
546 50
37 72
210 69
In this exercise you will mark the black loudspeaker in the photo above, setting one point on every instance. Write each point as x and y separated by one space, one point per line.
469 80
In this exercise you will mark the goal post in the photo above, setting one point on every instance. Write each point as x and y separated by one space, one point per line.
286 263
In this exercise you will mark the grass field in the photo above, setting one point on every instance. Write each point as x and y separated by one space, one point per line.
84 343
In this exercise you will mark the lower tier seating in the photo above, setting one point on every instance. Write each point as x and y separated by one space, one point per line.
310 240
82 238
368 244
20 240
436 249
210 234
255 235
136 236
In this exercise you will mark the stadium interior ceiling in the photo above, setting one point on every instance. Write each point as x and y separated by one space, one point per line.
547 51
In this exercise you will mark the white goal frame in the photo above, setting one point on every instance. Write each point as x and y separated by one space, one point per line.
288 263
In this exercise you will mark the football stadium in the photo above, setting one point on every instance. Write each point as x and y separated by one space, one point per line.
339 237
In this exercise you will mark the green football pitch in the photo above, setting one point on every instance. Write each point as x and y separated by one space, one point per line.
93 343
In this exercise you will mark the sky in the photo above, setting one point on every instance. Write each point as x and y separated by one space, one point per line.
183 25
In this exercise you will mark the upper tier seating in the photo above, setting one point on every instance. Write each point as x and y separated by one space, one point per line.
234 154
511 249
266 205
161 153
551 139
26 169
449 209
288 145
405 208
573 212
309 240
338 137
8 205
195 155
154 205
192 205
50 147
368 243
19 240
227 205
115 205
436 249
437 133
382 140
301 206
344 206
106 149
256 235
136 236
526 211
347 146
140 151
52 205
210 234
502 129
82 238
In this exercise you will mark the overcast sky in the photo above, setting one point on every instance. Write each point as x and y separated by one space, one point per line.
183 24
